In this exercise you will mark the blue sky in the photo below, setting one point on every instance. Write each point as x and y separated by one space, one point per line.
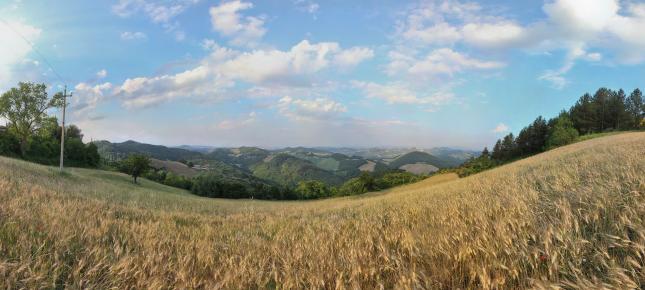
328 73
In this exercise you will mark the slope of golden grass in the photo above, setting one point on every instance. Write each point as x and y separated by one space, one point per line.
571 217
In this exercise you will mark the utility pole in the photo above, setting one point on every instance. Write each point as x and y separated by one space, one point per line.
62 135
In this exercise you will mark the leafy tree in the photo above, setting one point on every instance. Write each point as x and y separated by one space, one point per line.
92 157
312 189
136 165
25 107
9 144
562 132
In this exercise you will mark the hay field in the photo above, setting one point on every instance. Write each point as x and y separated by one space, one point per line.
571 217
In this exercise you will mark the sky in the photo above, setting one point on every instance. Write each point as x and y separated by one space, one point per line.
319 73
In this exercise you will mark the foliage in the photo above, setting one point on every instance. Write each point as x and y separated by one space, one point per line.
312 189
605 111
288 170
211 185
477 164
25 108
135 165
562 132
419 157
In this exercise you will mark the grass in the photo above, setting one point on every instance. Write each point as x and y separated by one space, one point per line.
569 218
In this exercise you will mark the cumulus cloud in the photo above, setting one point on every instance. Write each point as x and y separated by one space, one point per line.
267 71
501 128
353 56
14 48
569 26
310 109
243 31
447 61
101 74
130 35
87 97
400 93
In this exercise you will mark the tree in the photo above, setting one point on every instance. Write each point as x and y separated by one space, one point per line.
600 100
497 151
562 132
485 153
135 165
583 115
25 108
508 147
635 108
312 189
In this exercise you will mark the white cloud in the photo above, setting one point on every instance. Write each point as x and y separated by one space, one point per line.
157 11
493 35
237 123
129 35
101 74
447 61
243 31
443 61
14 48
353 56
400 93
308 6
501 128
161 12
569 25
87 97
314 109
268 70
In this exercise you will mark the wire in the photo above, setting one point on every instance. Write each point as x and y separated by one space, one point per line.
35 50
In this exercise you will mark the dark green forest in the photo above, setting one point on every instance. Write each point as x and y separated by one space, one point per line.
603 112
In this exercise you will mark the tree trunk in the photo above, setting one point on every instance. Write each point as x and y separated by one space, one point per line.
24 143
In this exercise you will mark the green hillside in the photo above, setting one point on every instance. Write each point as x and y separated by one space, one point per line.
288 170
419 157
120 150
243 157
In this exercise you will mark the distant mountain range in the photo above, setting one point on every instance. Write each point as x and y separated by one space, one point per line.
288 166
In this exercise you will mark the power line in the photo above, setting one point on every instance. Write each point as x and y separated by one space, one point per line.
33 46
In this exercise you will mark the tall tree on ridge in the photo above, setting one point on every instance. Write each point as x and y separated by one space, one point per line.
25 107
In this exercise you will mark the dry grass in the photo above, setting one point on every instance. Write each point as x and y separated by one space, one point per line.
570 218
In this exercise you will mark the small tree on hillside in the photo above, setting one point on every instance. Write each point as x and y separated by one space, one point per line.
136 165
562 132
25 107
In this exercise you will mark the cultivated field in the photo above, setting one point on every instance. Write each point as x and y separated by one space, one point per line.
572 217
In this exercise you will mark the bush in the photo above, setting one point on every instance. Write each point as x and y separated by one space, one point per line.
562 133
312 189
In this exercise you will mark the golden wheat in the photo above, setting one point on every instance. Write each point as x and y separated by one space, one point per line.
570 218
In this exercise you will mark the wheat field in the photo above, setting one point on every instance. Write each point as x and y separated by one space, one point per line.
570 218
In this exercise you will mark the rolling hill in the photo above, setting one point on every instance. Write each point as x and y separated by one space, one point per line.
288 170
120 150
414 161
568 218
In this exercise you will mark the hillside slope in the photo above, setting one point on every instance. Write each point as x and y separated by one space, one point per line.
418 157
571 217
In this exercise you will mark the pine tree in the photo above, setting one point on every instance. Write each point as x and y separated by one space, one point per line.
583 114
635 108
497 151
